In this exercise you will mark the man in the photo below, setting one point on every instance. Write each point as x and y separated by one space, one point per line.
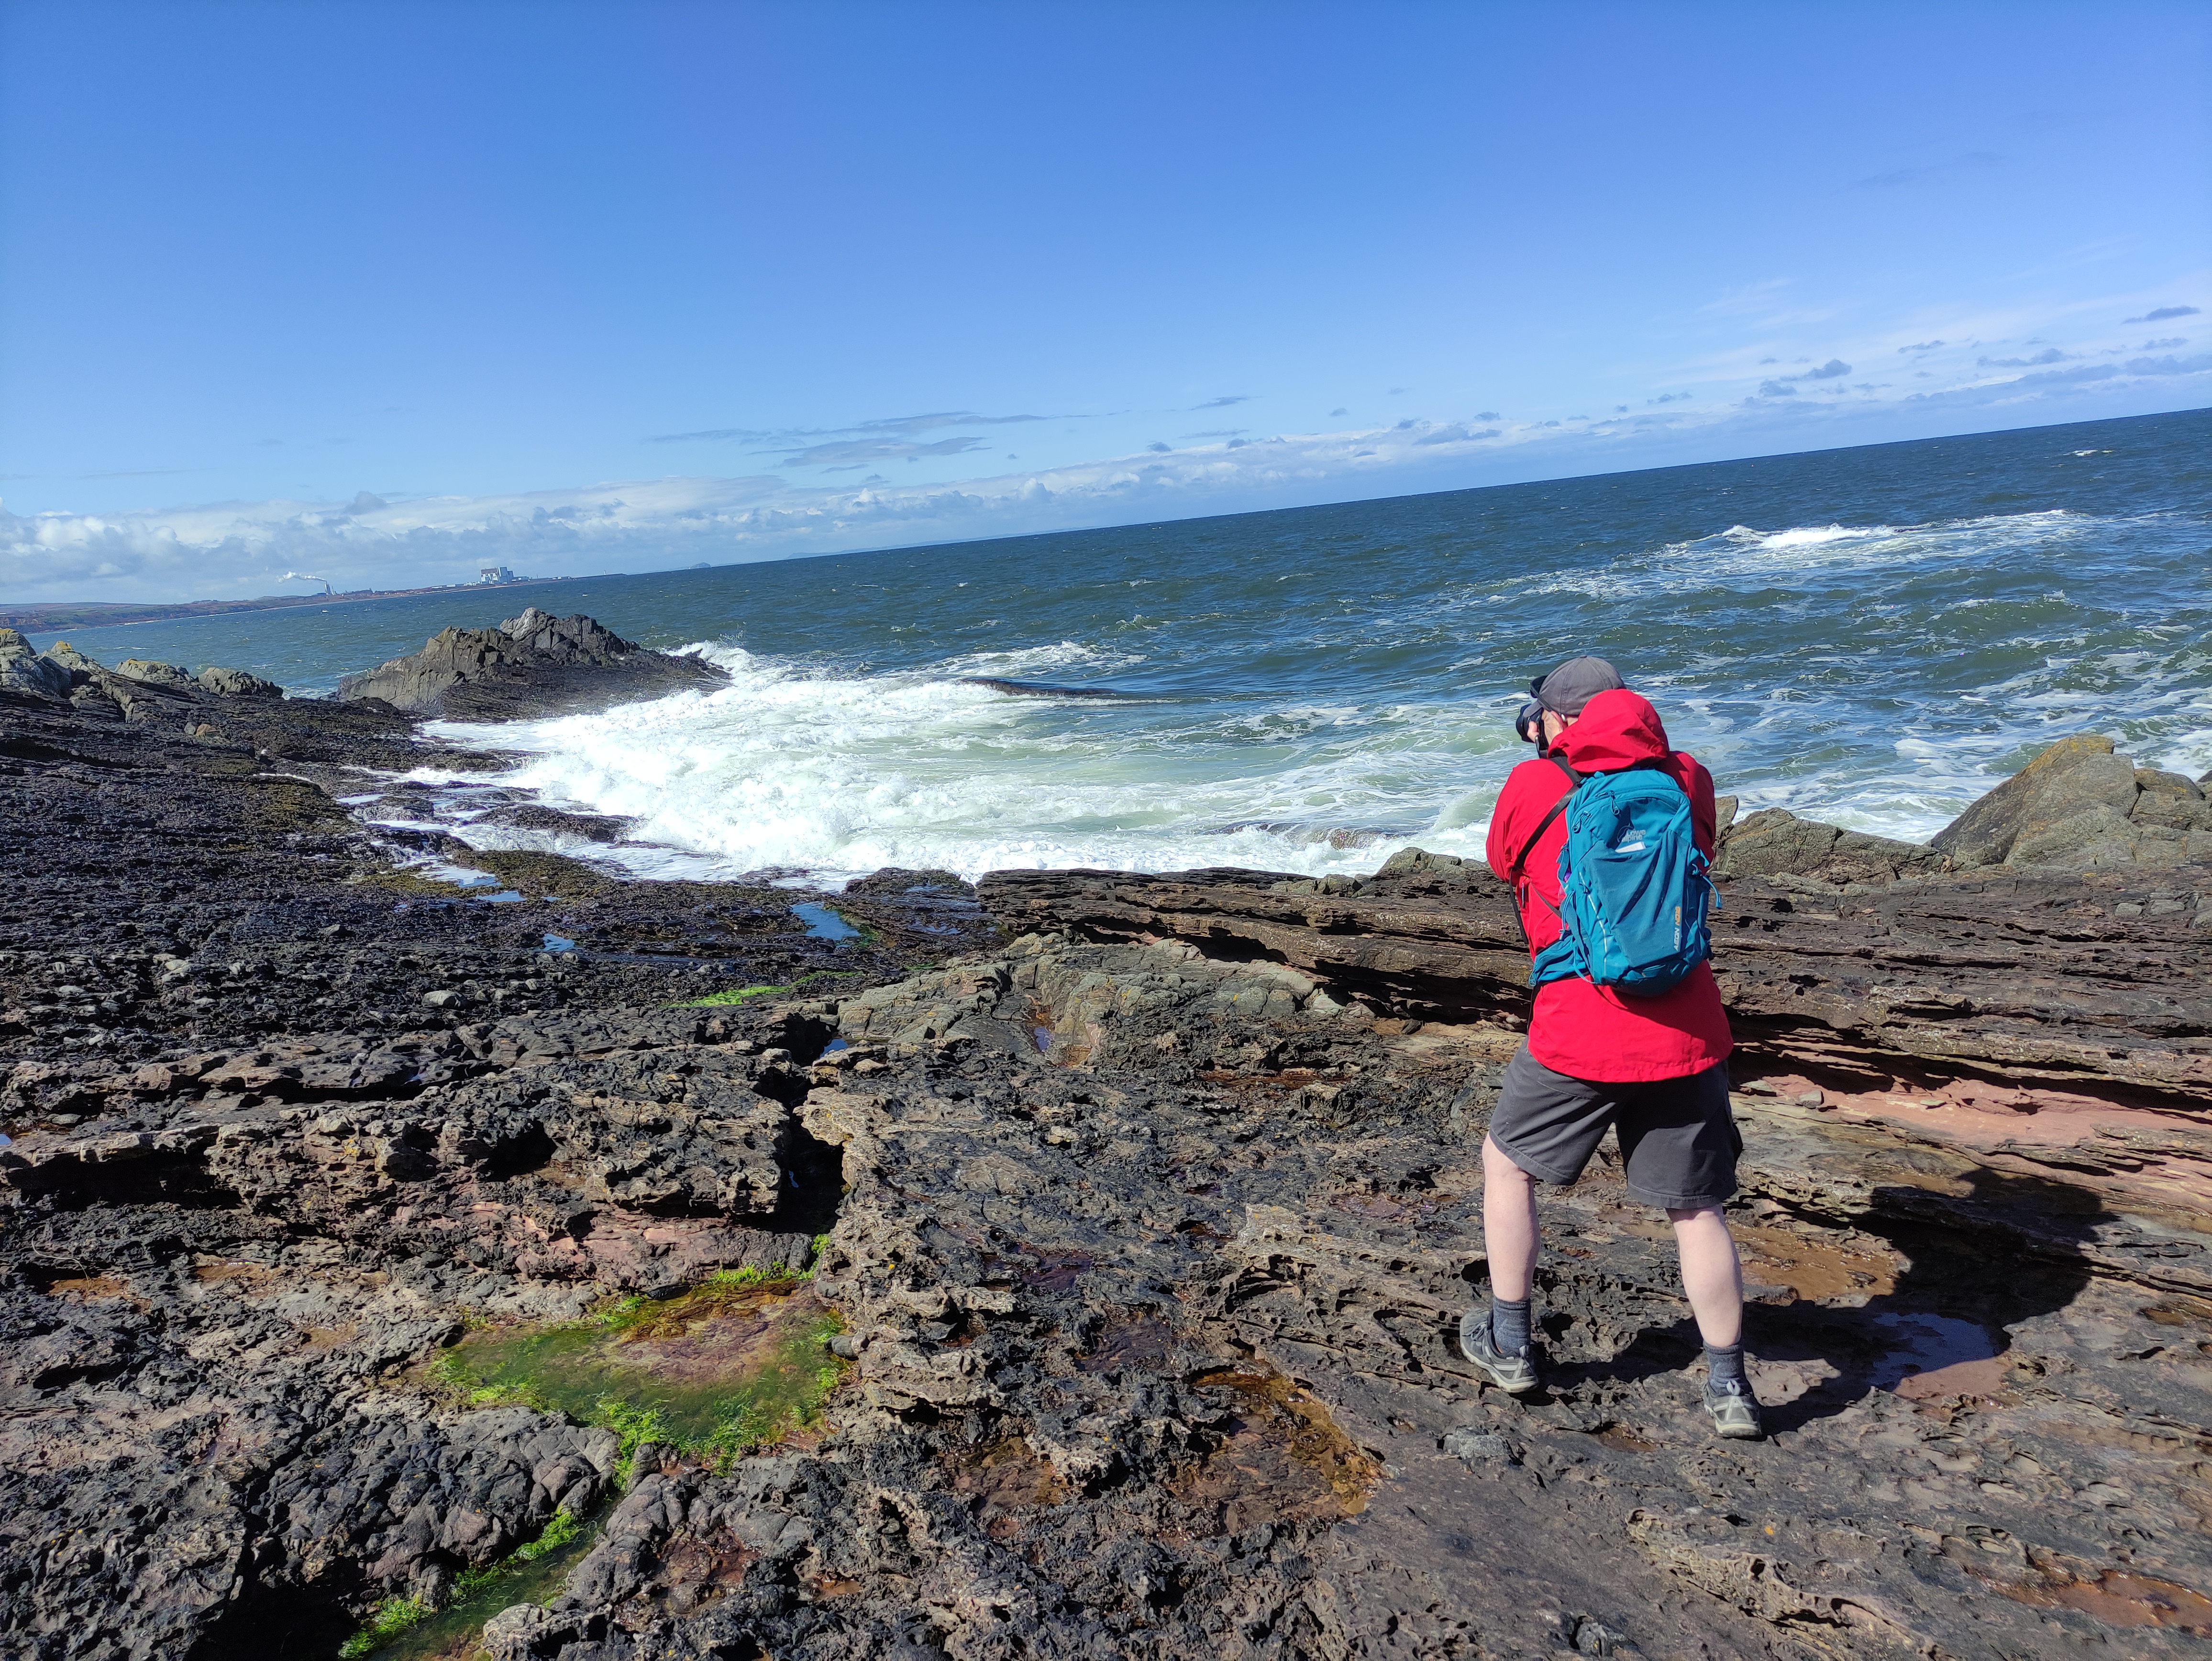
1654 1067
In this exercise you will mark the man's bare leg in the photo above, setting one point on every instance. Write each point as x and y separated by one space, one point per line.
1714 1279
1510 1232
1710 1274
1495 1338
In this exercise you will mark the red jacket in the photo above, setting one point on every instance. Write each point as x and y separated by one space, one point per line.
1591 1031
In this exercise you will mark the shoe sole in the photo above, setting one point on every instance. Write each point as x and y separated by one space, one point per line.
1754 1431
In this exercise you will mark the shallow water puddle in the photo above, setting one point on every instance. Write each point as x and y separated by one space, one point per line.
1003 1479
1934 1355
1143 1346
1818 1269
2118 1597
1281 1458
1384 1207
734 1363
690 1570
91 1287
1058 1275
824 922
1622 1438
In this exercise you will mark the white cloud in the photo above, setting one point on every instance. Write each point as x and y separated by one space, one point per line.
231 549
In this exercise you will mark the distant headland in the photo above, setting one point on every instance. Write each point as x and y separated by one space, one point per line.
92 614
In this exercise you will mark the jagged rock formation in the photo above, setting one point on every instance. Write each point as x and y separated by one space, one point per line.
535 664
23 670
2080 806
139 689
167 675
237 684
2026 1025
2076 806
2096 984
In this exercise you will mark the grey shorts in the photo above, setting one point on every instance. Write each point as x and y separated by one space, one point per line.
1678 1139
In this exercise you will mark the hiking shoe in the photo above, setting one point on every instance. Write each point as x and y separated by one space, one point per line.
1514 1374
1736 1412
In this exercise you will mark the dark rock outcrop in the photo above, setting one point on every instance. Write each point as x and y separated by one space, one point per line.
532 664
1150 1332
534 816
282 1122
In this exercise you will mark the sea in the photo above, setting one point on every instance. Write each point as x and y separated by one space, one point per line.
1873 636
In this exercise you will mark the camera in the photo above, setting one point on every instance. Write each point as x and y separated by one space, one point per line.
1529 723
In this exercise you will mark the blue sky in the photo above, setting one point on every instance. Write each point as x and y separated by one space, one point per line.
379 290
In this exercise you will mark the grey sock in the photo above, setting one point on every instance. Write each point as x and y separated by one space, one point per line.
1724 1368
1509 1324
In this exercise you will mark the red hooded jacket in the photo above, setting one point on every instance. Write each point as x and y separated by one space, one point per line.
1593 1031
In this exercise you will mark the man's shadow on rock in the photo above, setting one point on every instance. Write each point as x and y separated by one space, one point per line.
1973 1263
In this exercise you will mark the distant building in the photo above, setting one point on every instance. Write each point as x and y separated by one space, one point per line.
494 574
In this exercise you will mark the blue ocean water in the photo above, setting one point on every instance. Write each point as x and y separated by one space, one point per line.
1872 635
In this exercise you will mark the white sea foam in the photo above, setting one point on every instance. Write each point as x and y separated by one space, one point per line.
838 775
1809 537
1743 557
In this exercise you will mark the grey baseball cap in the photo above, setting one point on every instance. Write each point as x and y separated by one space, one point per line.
1575 683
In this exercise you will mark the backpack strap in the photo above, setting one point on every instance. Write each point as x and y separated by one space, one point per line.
1574 783
1515 870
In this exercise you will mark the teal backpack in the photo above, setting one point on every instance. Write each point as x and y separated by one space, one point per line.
1634 887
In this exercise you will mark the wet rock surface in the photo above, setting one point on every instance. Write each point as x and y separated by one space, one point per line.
1147 1218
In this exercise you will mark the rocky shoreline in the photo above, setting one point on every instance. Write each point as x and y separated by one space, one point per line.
1130 1216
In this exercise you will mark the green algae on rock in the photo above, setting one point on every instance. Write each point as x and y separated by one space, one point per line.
737 994
735 1363
389 1621
405 1629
